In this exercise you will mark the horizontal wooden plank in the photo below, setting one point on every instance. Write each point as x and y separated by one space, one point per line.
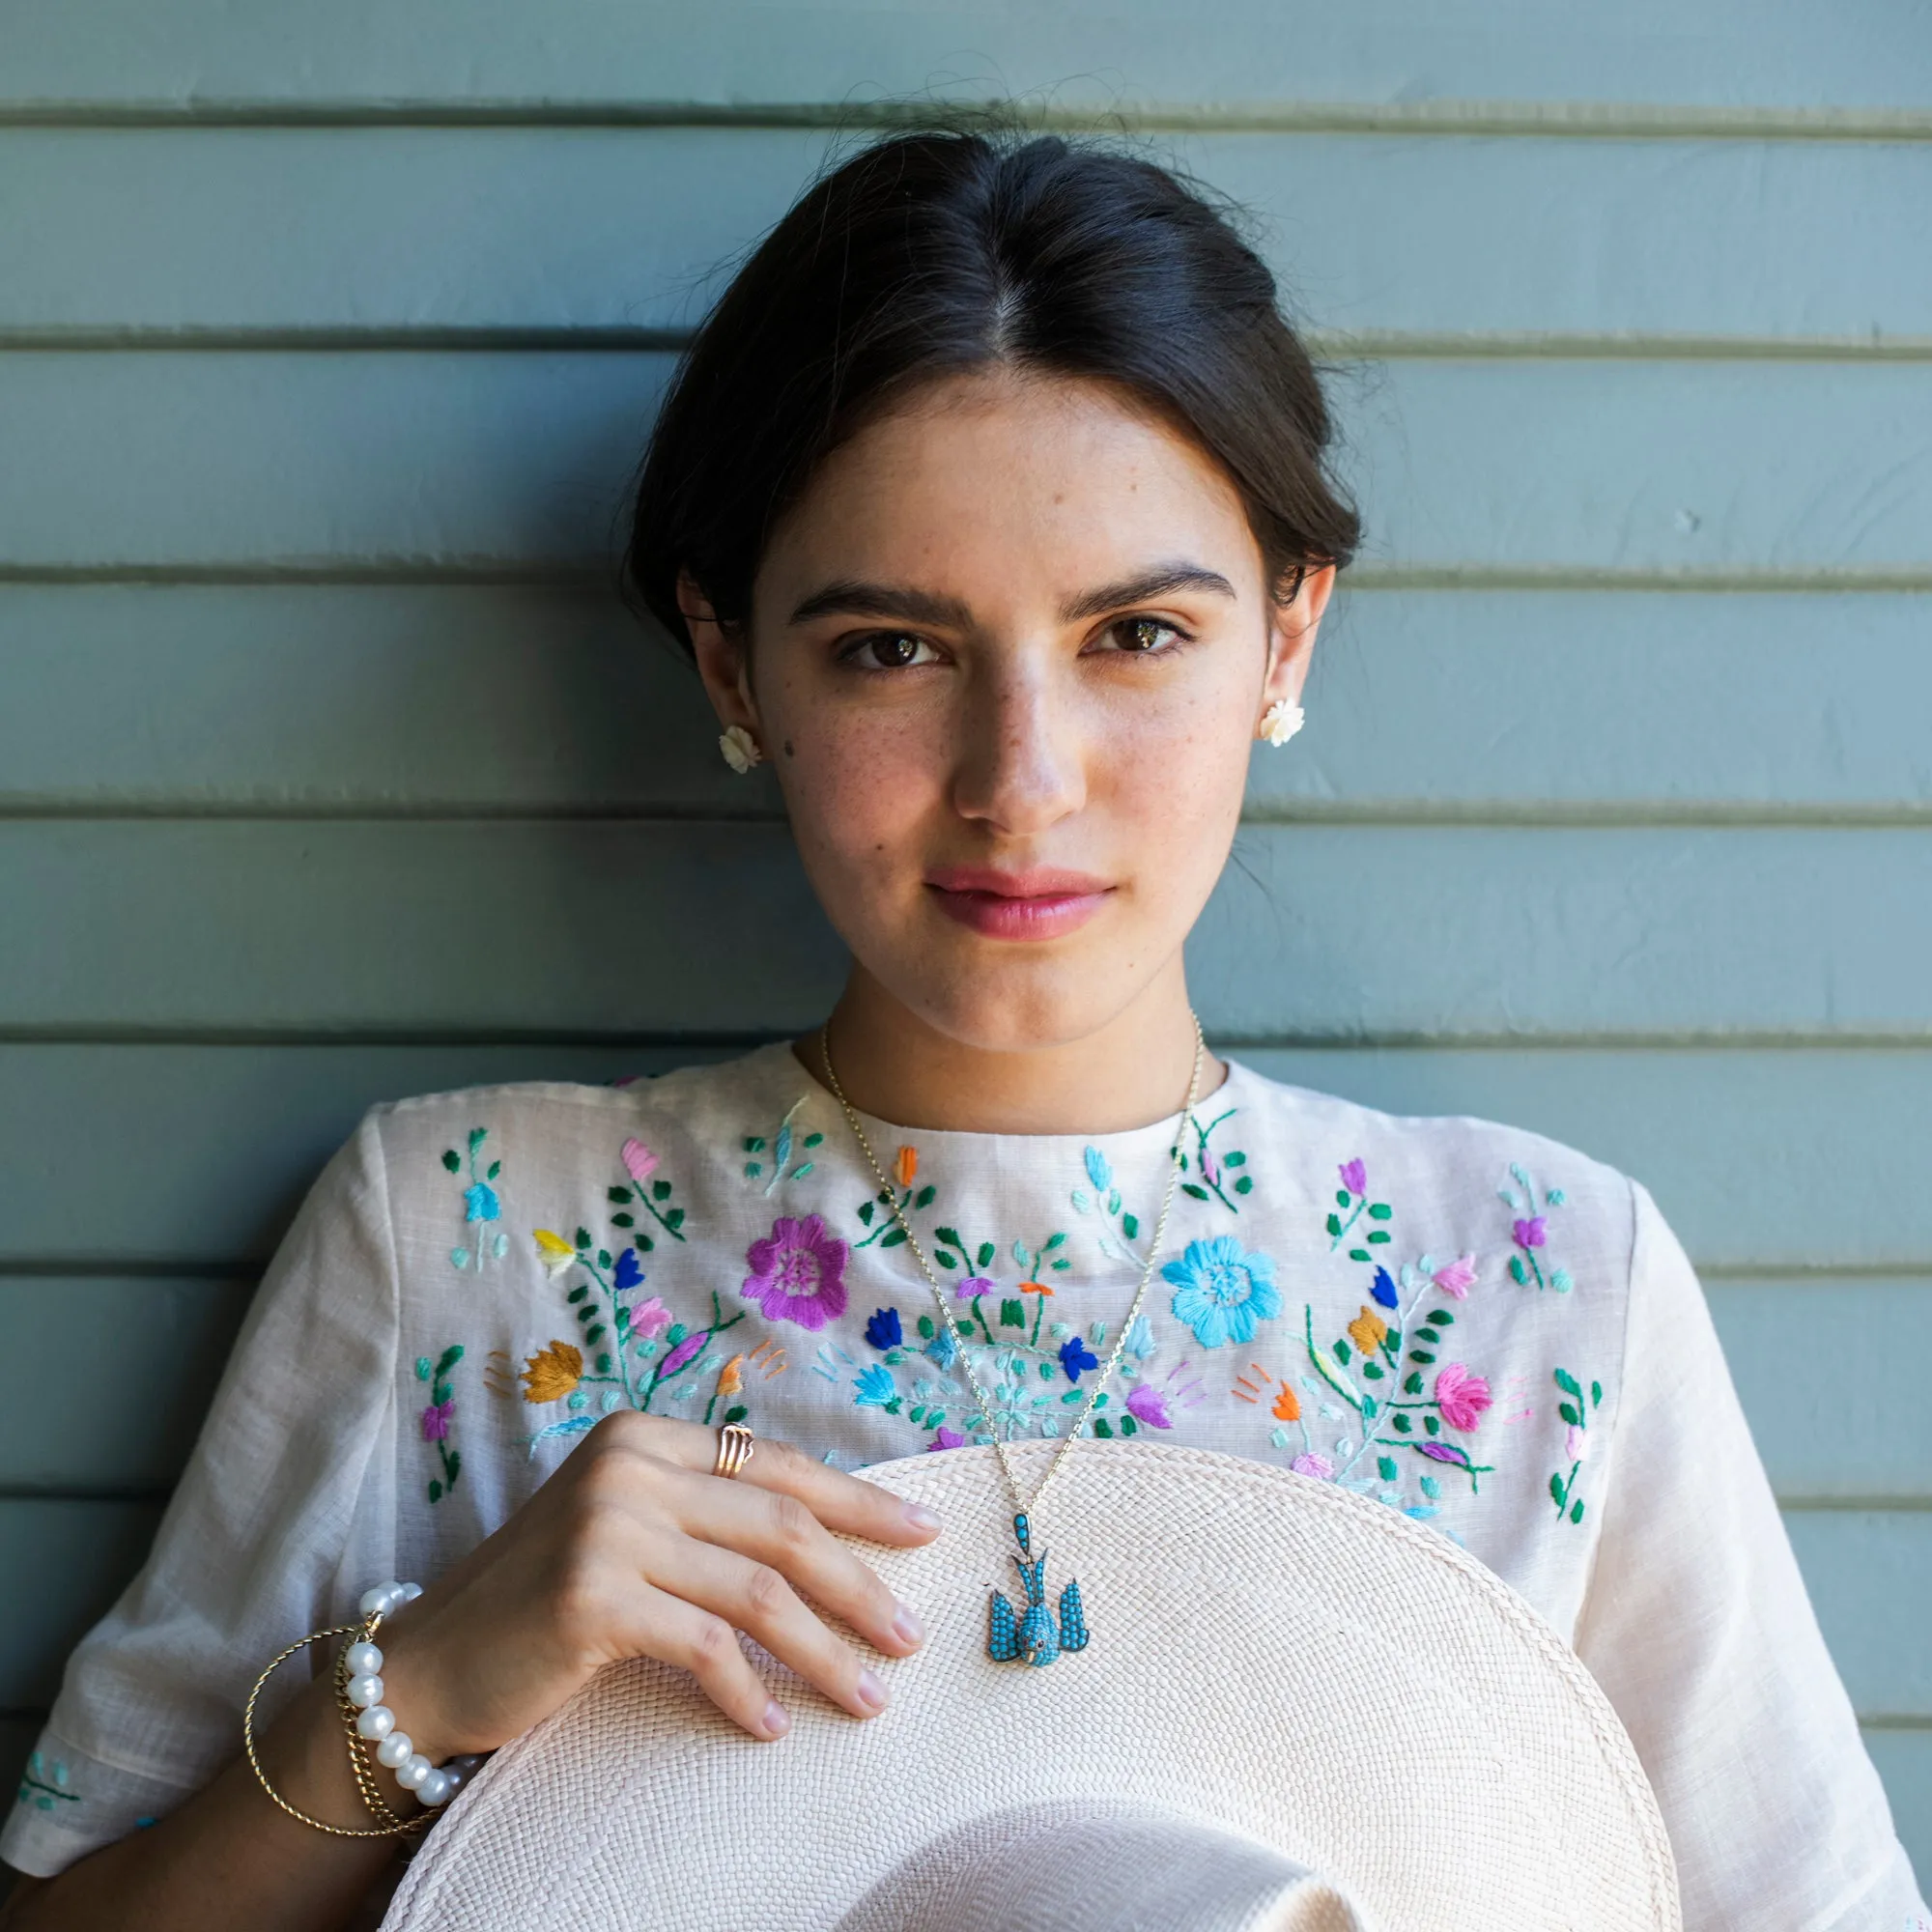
520 459
1762 1161
1087 55
389 229
1904 1760
551 699
1343 931
152 1349
160 1345
1869 1575
80 1556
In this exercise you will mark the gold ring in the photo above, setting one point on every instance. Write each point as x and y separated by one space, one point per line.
735 1445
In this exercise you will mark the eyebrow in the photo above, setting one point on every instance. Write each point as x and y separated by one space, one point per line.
855 597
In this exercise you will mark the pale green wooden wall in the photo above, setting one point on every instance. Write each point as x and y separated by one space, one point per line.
326 772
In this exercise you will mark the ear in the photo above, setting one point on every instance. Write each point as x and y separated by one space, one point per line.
1292 621
723 664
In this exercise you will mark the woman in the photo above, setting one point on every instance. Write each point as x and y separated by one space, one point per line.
990 503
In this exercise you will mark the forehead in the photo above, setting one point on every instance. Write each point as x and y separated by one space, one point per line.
1009 485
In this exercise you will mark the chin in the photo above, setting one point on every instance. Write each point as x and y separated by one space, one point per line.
1012 1005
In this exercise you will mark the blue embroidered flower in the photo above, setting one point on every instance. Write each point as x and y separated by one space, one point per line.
480 1203
630 1271
1222 1292
943 1350
1383 1290
884 1331
1098 1171
1140 1343
875 1385
1076 1358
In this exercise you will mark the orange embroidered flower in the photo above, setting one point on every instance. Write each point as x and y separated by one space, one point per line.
730 1380
552 1372
1369 1331
905 1165
1034 1288
1286 1406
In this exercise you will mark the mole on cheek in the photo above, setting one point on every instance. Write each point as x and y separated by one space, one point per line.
789 753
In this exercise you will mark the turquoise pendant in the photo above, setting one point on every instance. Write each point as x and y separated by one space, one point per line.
1035 1633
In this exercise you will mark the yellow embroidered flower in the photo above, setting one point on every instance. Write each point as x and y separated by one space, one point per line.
554 1252
1286 1406
1369 1331
552 1372
905 1165
730 1380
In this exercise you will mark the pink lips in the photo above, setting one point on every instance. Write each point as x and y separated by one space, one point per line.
1042 903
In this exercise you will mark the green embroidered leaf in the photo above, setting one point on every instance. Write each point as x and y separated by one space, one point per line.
1567 1382
925 1196
1386 1469
477 1136
951 1236
435 1491
945 1259
1568 1411
1577 1510
935 1417
1046 1371
1128 1424
587 1313
1411 1383
603 1258
737 1412
1071 1395
1012 1314
621 1195
660 1190
926 1327
1335 1220
892 1237
917 1412
1342 1199
1199 1193
755 1142
643 1243
583 1238
894 1354
1054 1241
423 1368
1131 1226
963 1327
1403 1425
1556 1490
673 1218
1428 1335
594 1333
452 1160
1377 1235
494 1168
1379 1210
623 1320
1359 1255
1244 1186
1392 1343
984 1258
1596 1395
804 1168
1430 1488
1373 1370
1102 1427
865 1214
1518 1272
1430 1423
676 1334
1236 1159
1061 1268
604 1363
814 1140
1370 1408
1342 1351
1443 1318
1420 1355
439 1393
1100 1400
577 1293
629 1221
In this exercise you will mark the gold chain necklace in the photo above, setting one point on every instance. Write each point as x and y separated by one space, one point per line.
1033 1633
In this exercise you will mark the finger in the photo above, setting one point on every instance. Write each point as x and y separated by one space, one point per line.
758 1599
667 1626
775 1529
839 1500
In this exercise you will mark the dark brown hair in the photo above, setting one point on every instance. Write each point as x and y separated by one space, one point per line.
933 253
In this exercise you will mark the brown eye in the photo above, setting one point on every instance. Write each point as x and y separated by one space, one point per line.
1143 635
890 650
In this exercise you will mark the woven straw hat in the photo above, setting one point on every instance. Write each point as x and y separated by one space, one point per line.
1297 1710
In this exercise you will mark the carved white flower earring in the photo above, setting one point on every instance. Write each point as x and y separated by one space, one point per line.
740 749
1280 722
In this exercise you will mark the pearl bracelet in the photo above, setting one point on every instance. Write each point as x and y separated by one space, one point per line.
362 1665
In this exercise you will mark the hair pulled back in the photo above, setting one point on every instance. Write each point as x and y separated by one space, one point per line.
931 254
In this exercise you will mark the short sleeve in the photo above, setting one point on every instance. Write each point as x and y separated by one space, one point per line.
283 1515
1697 1624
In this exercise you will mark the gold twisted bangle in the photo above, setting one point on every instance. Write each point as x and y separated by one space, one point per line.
262 1776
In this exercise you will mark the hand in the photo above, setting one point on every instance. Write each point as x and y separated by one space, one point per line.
635 1549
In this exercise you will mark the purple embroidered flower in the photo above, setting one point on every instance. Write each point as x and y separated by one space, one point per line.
798 1272
630 1271
975 1285
1444 1452
1456 1277
1148 1404
884 1330
1354 1178
436 1420
683 1352
948 1437
1383 1290
480 1203
1533 1233
1076 1358
1309 1464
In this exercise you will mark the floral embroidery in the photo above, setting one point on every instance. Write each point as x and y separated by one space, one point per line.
552 1372
798 1272
1530 1231
768 1358
43 1784
482 1204
888 1234
1106 1201
1222 1292
649 1191
782 1146
1212 1168
1576 1414
435 1420
1352 1199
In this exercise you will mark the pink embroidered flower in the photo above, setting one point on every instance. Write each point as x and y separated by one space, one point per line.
798 1272
1461 1396
436 1420
1531 1233
1210 1169
1150 1405
1577 1443
1354 1177
1456 1277
948 1437
683 1352
650 1317
639 1162
1309 1464
975 1285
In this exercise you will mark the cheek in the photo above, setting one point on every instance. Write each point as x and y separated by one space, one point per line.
857 787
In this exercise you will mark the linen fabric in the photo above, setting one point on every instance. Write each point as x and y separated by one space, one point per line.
1304 1774
710 1243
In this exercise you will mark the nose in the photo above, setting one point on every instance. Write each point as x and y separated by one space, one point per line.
1020 760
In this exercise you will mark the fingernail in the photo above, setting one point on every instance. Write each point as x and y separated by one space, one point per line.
872 1691
777 1719
908 1625
919 1517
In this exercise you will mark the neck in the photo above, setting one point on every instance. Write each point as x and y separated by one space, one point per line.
1131 1071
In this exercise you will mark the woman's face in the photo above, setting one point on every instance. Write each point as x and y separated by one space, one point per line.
1008 656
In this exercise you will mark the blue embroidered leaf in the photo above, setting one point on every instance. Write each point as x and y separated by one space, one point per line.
783 1151
1113 1201
1098 1170
1430 1487
1561 1280
1555 1198
1083 1202
576 1426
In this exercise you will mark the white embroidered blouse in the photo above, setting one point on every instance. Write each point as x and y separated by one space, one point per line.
1479 1327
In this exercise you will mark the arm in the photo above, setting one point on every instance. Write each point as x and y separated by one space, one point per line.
1697 1624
